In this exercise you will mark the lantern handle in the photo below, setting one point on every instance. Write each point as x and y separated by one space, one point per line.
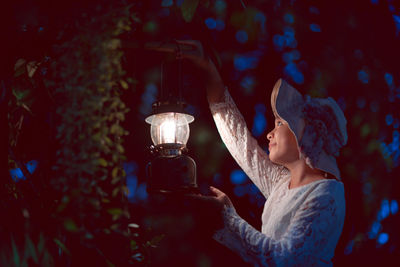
178 52
180 78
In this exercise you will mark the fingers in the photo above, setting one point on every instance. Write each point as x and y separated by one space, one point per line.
198 197
216 191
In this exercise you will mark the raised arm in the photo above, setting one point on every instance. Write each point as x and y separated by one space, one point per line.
232 127
243 146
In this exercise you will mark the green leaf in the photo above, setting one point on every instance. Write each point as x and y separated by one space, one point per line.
150 27
365 130
125 189
103 162
20 94
188 9
114 226
15 253
19 67
47 259
40 245
70 225
115 211
114 44
115 190
114 128
114 172
124 84
109 263
89 236
155 241
108 140
113 182
62 246
120 116
120 148
134 246
105 200
30 250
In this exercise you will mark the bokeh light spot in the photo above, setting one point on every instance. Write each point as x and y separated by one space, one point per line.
279 41
261 19
394 206
220 6
389 119
290 40
361 102
349 248
291 56
383 238
259 124
141 192
210 23
397 23
375 228
288 18
167 3
239 190
389 79
315 27
385 210
363 76
292 70
248 83
313 10
241 36
238 177
131 183
242 62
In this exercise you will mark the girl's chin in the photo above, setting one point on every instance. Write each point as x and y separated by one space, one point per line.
275 160
272 159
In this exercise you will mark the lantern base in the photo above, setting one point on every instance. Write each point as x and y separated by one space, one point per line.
172 175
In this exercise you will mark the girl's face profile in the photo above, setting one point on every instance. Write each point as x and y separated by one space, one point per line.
282 143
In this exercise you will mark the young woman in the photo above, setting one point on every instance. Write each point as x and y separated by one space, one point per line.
304 210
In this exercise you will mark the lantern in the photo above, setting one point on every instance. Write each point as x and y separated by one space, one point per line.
171 170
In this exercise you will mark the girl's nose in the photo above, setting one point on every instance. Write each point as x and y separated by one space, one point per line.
269 135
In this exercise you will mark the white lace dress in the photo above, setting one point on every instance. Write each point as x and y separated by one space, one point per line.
300 226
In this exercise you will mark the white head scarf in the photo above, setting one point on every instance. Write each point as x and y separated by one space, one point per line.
318 124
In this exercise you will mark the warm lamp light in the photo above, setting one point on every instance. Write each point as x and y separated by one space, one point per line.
170 128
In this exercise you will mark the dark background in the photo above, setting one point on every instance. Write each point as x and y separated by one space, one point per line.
347 50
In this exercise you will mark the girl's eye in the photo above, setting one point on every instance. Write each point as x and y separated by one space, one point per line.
279 123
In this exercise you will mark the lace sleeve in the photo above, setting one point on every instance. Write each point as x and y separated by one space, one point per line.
243 147
310 239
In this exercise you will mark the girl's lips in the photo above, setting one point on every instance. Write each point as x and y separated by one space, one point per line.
271 145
